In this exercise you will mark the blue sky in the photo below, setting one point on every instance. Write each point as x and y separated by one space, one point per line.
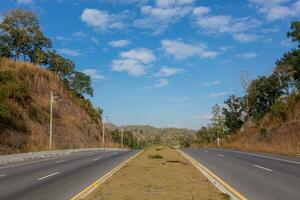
165 62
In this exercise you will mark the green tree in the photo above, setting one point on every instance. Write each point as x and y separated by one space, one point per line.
61 66
294 34
233 112
218 120
81 84
20 35
262 93
292 58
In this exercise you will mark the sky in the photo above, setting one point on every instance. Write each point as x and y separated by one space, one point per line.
165 63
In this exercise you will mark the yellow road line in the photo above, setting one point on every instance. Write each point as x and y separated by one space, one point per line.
222 182
102 179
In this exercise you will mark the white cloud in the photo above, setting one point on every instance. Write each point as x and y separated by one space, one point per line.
134 61
170 3
133 67
159 83
94 74
221 24
101 20
248 55
69 52
244 37
277 9
181 50
119 43
95 40
142 55
218 94
212 83
163 14
25 2
168 71
201 10
203 117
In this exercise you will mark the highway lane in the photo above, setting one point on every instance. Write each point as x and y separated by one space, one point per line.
59 177
256 176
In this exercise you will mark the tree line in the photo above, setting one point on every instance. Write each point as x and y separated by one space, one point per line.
265 94
21 38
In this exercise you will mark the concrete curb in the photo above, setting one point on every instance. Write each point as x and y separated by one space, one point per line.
48 154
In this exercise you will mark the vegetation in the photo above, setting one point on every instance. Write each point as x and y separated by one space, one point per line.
166 178
21 38
271 97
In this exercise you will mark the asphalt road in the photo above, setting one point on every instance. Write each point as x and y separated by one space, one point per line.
59 177
256 176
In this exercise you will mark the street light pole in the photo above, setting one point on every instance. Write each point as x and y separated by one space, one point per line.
50 133
122 136
52 98
103 132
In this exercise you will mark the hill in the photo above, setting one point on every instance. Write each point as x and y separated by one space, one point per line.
148 135
24 111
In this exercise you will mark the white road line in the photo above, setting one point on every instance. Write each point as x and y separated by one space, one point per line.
267 169
60 161
221 155
2 175
264 156
96 159
44 177
205 151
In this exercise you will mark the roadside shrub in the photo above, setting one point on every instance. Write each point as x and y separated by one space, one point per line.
156 156
263 133
279 110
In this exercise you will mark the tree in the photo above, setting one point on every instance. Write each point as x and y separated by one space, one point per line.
20 35
292 58
81 84
233 112
218 121
294 34
262 93
61 66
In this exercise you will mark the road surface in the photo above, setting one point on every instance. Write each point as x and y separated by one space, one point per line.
256 176
59 177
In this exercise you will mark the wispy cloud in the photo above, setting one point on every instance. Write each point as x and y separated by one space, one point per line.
159 83
69 52
163 14
101 20
119 43
218 94
248 55
168 71
94 74
182 50
134 61
277 9
238 28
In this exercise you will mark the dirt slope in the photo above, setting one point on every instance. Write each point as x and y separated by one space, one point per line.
72 126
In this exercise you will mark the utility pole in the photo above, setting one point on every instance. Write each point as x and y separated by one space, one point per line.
52 98
103 133
122 136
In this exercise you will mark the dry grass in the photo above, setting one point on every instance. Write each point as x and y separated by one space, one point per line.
72 126
160 174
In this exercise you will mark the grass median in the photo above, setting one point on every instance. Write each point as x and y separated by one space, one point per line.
159 173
